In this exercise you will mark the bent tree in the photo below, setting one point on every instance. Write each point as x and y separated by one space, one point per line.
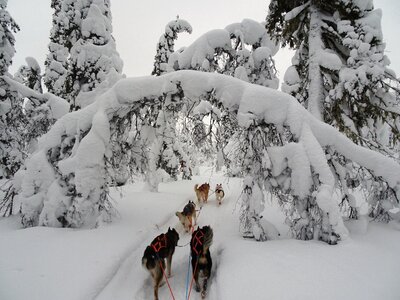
66 180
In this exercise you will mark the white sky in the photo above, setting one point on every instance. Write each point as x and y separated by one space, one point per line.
138 25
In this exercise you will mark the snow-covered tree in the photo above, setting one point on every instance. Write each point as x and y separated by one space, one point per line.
166 44
11 116
243 50
66 186
57 60
30 75
340 71
83 54
340 74
12 119
166 153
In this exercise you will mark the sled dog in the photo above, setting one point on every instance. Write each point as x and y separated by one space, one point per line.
188 216
163 246
219 193
201 258
202 192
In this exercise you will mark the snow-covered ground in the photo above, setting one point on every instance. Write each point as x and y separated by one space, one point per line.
105 263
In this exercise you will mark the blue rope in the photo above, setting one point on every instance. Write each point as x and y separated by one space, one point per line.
187 279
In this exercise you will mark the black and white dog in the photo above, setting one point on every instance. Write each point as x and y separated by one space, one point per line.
200 243
219 193
163 246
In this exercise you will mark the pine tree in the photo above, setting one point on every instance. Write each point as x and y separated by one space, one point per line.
36 111
30 75
165 46
12 119
83 54
57 60
340 74
340 70
11 115
166 155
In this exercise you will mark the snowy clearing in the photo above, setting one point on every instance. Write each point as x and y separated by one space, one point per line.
105 263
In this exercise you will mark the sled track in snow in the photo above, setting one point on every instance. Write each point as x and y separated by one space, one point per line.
136 250
121 262
130 281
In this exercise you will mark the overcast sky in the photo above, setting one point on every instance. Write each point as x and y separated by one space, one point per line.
138 25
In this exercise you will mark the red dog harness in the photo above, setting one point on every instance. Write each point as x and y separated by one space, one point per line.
161 242
197 241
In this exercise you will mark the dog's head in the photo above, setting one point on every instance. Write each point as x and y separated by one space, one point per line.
173 236
185 221
219 186
189 208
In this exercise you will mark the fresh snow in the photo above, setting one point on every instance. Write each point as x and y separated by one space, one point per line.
105 263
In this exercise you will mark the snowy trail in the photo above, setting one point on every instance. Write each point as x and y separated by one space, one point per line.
105 263
131 281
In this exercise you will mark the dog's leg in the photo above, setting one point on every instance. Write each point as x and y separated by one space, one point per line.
195 269
196 280
206 274
169 262
157 280
204 291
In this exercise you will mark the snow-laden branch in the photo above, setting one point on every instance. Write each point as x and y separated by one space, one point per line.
58 106
253 103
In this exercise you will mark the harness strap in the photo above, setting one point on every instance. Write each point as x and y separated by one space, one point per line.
197 241
160 243
191 282
166 279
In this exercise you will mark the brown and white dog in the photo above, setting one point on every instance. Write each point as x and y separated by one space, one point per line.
202 192
188 216
200 243
163 246
219 193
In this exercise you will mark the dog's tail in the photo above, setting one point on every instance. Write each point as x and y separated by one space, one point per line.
149 258
208 238
195 187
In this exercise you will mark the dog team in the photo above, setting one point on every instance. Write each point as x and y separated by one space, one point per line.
163 246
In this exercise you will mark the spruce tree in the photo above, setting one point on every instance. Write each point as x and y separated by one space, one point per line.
57 59
12 119
11 115
82 49
340 74
166 43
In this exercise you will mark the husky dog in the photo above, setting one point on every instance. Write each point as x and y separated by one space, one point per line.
188 216
201 258
163 246
219 193
202 192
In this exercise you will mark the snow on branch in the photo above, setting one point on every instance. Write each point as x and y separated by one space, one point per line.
58 106
254 104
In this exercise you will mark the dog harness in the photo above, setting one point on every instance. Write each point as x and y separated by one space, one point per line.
161 242
197 241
